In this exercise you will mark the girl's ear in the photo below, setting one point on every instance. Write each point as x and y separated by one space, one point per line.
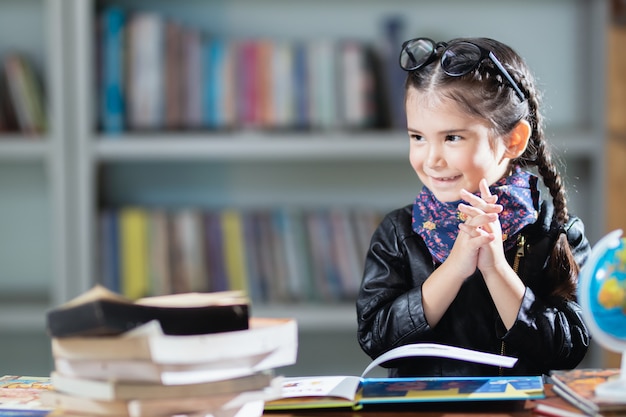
518 139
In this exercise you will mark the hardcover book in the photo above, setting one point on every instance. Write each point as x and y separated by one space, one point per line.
360 392
100 312
553 405
577 386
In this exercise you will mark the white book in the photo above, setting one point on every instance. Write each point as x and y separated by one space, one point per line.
173 374
146 107
128 390
217 404
147 342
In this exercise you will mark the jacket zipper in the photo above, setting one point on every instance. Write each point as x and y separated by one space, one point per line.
521 245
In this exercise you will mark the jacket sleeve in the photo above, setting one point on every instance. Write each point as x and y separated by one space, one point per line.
389 306
550 330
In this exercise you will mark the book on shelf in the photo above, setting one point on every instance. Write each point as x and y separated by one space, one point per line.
360 391
100 312
148 342
134 252
577 386
280 255
20 395
111 59
25 94
165 74
145 71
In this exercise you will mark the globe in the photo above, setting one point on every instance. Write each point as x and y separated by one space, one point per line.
602 297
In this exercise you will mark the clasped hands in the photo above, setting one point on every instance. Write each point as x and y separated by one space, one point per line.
479 242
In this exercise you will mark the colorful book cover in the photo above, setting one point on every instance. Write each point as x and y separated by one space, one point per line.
578 387
359 393
134 252
112 105
234 250
19 395
438 389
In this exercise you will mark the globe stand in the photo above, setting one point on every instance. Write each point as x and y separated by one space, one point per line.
606 321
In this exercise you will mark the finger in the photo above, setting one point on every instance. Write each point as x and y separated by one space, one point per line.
485 193
480 203
479 236
474 212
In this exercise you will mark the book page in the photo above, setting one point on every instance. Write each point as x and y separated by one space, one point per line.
195 299
442 351
320 386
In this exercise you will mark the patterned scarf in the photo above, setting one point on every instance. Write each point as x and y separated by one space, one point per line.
438 223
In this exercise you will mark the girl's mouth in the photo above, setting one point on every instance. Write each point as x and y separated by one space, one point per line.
446 179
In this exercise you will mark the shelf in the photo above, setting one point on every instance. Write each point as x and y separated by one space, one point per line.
23 316
252 146
260 146
19 148
313 317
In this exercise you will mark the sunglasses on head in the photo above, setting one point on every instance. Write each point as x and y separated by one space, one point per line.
457 59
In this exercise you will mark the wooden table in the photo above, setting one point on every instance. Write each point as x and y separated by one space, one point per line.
473 409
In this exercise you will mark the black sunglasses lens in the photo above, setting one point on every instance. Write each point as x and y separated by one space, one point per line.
460 59
416 53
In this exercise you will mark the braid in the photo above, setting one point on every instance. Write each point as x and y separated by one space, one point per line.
562 266
545 166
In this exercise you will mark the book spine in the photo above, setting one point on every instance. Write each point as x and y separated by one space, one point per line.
133 240
112 108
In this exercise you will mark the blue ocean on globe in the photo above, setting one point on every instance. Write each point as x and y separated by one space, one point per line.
607 291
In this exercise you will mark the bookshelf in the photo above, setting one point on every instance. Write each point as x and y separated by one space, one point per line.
77 169
32 168
33 222
251 167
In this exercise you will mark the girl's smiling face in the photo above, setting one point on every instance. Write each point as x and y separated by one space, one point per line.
449 149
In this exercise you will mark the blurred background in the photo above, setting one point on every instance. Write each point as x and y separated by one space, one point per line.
160 146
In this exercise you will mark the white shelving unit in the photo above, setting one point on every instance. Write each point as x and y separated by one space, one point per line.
33 207
75 168
32 215
334 168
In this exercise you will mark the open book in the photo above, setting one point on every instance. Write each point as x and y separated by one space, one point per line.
357 392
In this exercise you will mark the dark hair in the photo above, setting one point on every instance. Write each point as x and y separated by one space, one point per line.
484 93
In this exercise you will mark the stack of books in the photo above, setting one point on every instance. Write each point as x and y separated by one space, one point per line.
191 354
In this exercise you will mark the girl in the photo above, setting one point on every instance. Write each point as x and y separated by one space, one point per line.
479 261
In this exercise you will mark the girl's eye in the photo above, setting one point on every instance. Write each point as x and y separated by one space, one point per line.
416 138
453 138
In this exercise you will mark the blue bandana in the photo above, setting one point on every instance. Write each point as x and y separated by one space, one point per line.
438 223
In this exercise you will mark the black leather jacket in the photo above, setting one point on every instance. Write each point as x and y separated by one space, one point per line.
548 334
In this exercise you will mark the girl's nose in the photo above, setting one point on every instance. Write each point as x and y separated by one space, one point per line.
435 156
